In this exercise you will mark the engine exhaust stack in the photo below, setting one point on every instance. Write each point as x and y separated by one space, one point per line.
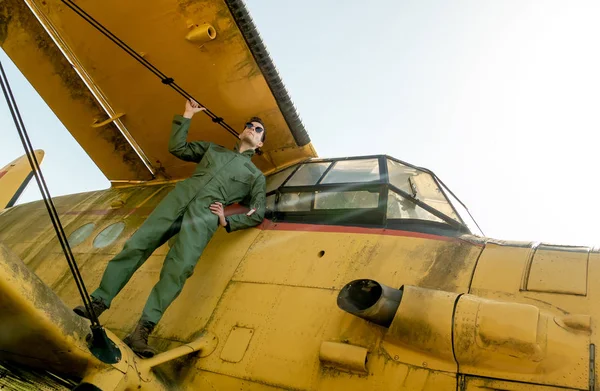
370 300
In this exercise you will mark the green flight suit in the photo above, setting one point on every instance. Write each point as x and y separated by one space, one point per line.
221 175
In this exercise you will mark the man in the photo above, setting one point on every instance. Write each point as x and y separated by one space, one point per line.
194 209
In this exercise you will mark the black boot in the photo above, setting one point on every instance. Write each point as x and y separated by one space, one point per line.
98 307
138 339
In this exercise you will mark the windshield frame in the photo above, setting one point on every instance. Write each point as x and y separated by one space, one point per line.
364 216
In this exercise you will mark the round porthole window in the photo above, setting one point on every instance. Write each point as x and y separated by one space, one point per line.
80 234
109 234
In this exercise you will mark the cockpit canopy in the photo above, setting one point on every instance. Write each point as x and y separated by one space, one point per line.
371 191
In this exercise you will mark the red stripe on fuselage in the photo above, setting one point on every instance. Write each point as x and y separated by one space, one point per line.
268 225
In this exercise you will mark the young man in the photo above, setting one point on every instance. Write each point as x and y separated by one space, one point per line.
194 209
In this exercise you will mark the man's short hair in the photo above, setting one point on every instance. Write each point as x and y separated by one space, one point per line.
260 121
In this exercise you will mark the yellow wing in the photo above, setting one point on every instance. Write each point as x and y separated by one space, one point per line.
14 178
119 112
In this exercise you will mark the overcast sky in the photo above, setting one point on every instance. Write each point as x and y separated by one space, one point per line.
499 98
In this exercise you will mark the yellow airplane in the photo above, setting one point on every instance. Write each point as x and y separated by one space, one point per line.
368 273
14 178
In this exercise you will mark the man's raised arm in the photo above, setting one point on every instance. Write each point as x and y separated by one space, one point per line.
178 145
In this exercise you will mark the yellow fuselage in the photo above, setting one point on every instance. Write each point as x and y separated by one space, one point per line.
501 315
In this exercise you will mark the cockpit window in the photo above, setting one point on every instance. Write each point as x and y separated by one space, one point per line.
463 212
399 207
346 199
276 180
295 202
308 174
420 185
400 176
347 171
366 191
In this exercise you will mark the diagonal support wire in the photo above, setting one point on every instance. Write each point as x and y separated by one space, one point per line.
135 55
29 151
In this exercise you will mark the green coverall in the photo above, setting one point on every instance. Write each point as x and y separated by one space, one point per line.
221 175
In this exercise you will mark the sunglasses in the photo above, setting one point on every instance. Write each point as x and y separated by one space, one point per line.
257 129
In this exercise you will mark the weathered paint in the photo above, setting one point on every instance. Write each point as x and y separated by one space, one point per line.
35 326
45 67
509 318
500 273
281 280
37 330
222 74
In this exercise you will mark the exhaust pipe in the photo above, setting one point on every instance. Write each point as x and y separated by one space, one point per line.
370 300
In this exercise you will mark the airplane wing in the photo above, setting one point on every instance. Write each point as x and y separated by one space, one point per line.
119 111
14 178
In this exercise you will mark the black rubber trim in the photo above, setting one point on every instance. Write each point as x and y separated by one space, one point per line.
265 63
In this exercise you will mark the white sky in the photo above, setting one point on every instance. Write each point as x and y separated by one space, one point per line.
499 98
